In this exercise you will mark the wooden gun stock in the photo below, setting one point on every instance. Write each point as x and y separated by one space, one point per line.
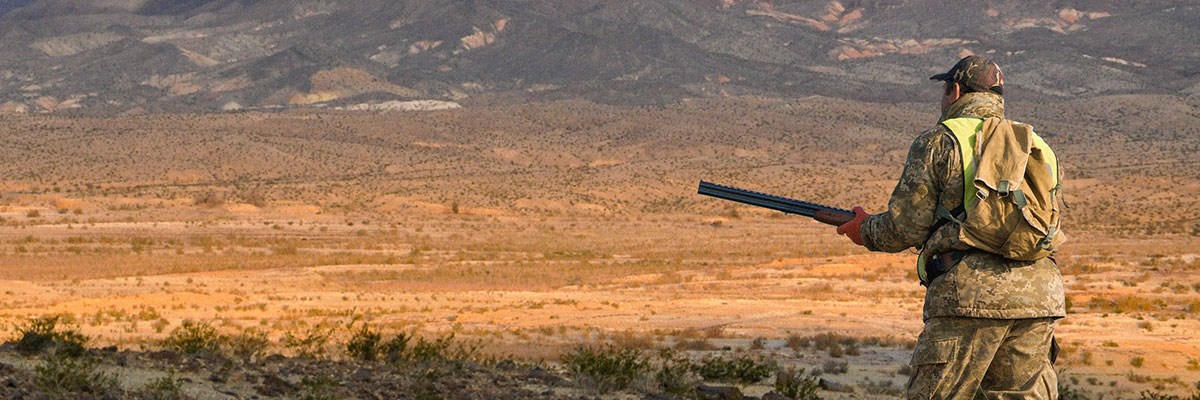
835 218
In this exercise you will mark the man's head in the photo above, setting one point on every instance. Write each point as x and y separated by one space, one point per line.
970 74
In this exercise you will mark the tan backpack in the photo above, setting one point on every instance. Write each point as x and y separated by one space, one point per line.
1012 189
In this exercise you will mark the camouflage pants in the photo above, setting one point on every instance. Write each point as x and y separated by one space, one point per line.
979 358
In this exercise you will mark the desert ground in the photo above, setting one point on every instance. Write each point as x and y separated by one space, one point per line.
532 230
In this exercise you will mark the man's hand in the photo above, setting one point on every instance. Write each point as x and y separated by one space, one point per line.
853 229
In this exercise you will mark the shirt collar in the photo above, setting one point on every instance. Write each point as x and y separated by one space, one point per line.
977 105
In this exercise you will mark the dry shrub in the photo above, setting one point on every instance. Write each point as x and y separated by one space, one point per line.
633 340
210 199
1126 304
255 196
695 344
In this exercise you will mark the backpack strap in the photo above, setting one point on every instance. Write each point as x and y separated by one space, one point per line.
1047 243
924 272
946 216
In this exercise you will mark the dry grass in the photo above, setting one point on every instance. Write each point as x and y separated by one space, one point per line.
537 227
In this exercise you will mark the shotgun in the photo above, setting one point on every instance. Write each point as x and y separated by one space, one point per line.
826 214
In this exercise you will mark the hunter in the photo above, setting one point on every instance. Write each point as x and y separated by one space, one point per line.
989 308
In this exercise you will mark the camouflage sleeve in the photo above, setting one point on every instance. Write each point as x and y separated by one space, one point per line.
912 210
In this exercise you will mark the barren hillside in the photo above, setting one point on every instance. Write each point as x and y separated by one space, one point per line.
212 55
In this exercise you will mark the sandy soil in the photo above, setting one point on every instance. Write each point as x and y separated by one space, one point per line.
677 278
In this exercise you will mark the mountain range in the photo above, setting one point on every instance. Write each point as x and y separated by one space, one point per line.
196 56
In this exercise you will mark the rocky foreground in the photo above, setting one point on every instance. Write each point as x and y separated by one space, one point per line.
44 362
123 374
113 374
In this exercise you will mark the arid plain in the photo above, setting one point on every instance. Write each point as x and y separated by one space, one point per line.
536 228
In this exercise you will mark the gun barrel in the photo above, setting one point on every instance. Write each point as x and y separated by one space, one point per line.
822 213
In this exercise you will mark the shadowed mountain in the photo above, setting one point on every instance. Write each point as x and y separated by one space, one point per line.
207 55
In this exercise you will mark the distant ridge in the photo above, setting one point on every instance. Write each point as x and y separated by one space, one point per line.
201 55
9 5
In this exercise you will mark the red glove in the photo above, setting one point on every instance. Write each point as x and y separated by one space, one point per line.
853 229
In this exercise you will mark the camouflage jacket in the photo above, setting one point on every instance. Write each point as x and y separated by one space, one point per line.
982 285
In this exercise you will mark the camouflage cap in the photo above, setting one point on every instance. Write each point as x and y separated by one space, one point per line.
975 73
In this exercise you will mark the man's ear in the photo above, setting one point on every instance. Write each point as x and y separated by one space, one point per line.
950 94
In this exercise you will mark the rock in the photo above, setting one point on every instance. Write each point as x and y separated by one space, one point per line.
423 46
835 7
13 108
396 105
1069 15
477 39
706 392
363 374
834 386
541 375
852 53
850 17
506 364
274 386
774 396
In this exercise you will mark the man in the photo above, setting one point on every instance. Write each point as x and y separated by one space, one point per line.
988 320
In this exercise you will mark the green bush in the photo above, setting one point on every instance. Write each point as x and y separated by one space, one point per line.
367 344
318 388
310 343
395 349
164 388
364 345
249 345
674 375
740 369
606 368
67 376
792 383
439 350
402 348
193 337
42 334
